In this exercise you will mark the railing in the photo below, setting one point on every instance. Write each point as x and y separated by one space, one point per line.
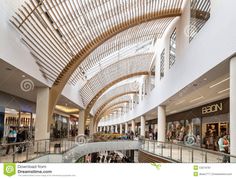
86 148
29 150
184 153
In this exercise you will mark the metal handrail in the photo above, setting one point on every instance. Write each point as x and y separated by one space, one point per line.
40 147
193 148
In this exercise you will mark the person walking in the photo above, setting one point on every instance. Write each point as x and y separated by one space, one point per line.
22 136
224 147
11 138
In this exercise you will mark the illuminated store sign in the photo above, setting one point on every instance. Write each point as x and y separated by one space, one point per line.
212 108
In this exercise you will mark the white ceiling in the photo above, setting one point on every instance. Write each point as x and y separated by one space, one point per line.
199 89
10 83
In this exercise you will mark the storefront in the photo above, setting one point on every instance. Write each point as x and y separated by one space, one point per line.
17 113
62 125
207 123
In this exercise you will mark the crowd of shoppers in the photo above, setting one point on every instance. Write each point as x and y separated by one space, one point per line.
107 157
14 137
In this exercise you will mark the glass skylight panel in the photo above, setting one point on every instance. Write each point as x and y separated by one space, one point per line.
121 54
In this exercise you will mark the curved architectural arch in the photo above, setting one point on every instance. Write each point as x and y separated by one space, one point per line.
114 100
120 104
105 98
60 38
144 32
125 67
111 107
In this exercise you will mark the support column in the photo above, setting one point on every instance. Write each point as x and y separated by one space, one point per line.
42 121
116 129
232 108
121 129
142 133
91 129
81 122
133 126
161 122
126 127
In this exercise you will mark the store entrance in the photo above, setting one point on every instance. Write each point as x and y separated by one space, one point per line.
213 133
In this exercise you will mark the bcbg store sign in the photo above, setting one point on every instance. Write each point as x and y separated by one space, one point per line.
212 108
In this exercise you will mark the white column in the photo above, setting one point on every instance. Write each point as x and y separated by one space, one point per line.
91 130
142 127
81 122
232 108
126 127
133 126
42 130
161 122
116 129
120 128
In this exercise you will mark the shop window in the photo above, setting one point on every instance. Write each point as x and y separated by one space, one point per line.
200 13
177 130
172 52
162 64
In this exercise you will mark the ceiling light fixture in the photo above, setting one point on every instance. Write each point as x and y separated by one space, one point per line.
178 103
196 99
212 86
222 91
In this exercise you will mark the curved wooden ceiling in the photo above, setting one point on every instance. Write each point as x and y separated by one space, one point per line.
125 96
125 67
128 87
62 33
148 31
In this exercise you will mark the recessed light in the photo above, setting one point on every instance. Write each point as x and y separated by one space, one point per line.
222 91
219 83
196 99
178 103
23 76
205 79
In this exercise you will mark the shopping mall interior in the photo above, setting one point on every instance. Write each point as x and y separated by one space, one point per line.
118 81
